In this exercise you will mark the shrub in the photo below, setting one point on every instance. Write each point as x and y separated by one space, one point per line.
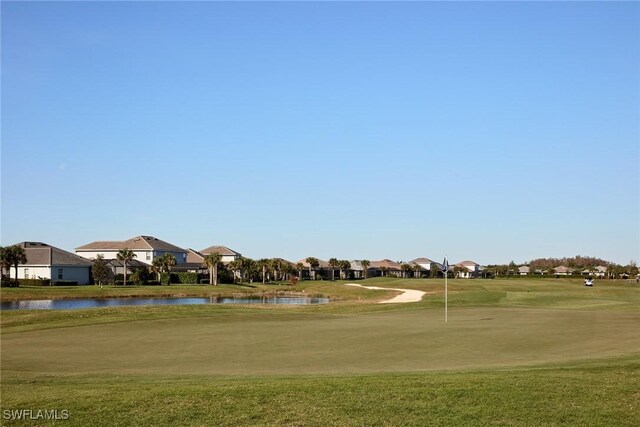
186 278
32 282
152 283
204 281
65 283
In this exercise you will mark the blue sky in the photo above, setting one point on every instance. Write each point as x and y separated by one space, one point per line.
484 131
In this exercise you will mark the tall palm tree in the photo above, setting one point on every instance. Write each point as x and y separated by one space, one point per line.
333 263
344 267
313 264
125 255
212 261
3 263
300 266
416 269
276 266
14 256
365 267
405 269
262 265
157 267
168 261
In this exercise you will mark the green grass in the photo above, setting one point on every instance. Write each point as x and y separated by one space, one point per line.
513 353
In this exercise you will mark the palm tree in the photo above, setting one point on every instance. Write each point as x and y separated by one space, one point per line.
313 264
262 265
3 263
125 255
300 266
276 266
156 266
365 267
416 270
212 261
344 266
384 270
168 261
405 269
14 256
333 263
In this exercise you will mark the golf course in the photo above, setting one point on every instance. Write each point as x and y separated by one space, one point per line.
513 352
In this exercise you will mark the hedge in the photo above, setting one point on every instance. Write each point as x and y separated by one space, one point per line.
65 283
34 282
184 278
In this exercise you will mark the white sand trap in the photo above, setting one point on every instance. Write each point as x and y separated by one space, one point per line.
407 295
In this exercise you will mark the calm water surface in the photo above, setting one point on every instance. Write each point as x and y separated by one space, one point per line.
74 304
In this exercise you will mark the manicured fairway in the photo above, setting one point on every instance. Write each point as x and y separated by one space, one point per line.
513 352
274 344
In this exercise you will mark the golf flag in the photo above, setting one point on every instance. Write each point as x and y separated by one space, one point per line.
445 269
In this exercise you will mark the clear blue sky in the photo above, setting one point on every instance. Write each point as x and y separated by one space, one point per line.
484 131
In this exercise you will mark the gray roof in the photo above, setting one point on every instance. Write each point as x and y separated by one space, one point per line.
135 243
39 253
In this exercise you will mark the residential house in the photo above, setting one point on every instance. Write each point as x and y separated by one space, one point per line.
145 248
563 271
228 255
524 270
426 265
357 270
469 269
48 262
322 269
386 267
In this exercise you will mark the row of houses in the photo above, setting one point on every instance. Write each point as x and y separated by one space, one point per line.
48 262
599 271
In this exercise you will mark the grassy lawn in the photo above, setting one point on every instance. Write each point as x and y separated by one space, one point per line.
515 352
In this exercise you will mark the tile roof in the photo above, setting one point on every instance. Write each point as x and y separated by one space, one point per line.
135 243
194 256
323 264
39 253
421 261
391 265
222 250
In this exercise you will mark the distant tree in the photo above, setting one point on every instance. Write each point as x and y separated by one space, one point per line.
313 264
459 270
100 270
14 256
299 267
512 269
434 270
125 256
276 267
3 263
365 267
157 266
212 261
344 266
262 265
333 263
405 268
168 261
384 269
417 269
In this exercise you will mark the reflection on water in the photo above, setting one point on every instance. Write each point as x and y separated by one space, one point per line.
74 304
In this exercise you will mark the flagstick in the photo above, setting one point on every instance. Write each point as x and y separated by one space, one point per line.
446 302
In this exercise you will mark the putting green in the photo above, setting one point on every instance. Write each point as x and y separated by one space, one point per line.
293 343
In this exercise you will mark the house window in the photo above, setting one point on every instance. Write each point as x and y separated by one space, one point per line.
26 273
59 274
148 256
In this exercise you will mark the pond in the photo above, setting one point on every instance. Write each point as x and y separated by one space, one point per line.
74 304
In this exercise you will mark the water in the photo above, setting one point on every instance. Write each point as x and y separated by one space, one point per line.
75 304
